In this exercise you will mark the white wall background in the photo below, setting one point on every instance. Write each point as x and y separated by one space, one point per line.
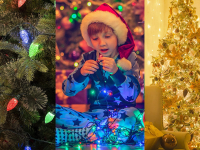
156 22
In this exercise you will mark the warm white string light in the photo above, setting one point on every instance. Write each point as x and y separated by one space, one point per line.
152 34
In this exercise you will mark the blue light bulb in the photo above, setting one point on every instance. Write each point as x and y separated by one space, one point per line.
24 36
27 148
140 144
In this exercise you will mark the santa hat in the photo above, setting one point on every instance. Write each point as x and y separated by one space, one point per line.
107 15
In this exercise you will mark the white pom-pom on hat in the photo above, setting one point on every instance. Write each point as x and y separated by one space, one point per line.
124 64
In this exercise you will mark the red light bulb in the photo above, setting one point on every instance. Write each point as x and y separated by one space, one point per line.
12 103
21 2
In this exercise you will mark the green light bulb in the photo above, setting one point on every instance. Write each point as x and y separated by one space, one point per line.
120 8
75 8
49 117
71 20
79 15
92 92
34 49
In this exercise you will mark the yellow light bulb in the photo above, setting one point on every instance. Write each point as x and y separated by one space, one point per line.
58 57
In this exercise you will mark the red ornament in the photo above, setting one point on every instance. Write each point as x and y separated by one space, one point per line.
12 103
133 4
58 27
85 47
21 2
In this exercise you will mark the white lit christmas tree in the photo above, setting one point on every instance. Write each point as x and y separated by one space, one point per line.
176 69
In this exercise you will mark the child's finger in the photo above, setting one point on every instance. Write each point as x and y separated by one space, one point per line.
106 66
91 69
104 58
89 72
106 61
106 69
94 66
92 62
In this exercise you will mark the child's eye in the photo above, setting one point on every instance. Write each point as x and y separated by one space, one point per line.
95 39
107 36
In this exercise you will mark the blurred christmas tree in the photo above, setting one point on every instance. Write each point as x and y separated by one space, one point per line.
68 35
176 70
27 74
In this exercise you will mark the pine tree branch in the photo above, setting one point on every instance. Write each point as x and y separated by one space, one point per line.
13 48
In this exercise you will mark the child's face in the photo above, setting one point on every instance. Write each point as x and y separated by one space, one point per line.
105 40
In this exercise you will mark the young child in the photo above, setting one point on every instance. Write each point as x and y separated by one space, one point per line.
114 73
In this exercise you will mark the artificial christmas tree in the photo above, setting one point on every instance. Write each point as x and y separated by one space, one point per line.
176 70
27 74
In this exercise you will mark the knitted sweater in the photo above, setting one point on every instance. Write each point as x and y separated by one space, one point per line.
119 90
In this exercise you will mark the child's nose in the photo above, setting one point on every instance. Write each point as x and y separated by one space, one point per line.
102 42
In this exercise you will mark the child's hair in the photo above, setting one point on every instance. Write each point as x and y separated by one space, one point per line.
98 27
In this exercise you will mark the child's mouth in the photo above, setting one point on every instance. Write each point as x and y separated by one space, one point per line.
104 50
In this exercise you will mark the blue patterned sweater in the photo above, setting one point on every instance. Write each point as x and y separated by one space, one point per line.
123 86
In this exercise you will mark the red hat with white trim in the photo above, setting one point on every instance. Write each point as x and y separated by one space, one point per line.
107 15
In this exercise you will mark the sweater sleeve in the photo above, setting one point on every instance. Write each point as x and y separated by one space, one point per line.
128 83
75 82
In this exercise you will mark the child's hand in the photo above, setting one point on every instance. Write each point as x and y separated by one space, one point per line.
109 64
89 67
